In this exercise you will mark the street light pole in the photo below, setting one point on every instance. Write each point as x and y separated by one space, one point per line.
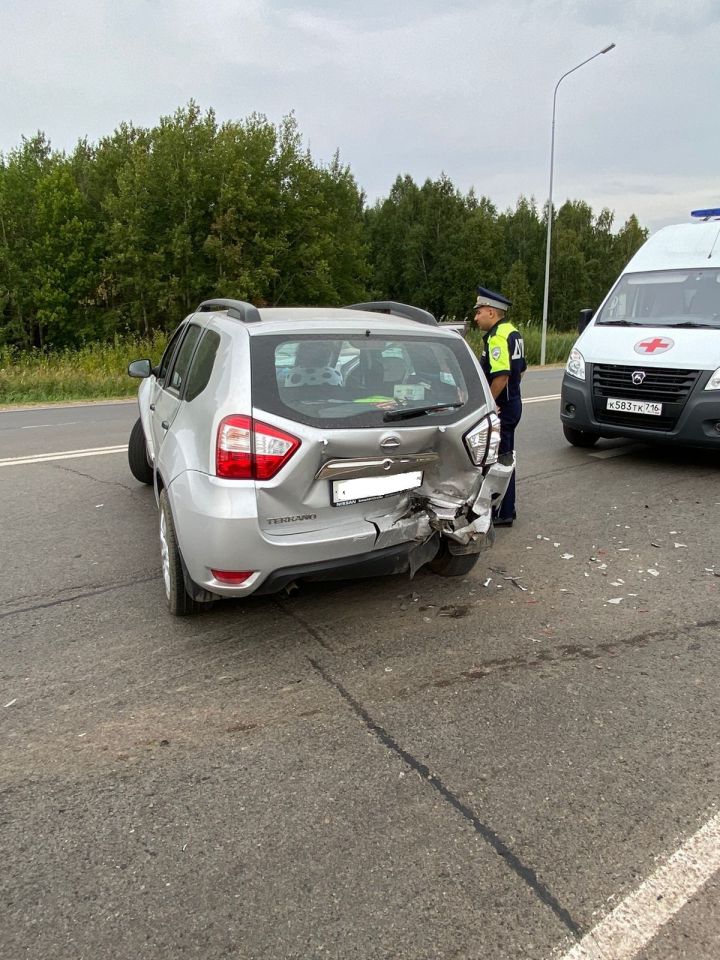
546 294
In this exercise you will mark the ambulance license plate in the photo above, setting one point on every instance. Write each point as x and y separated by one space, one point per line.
635 406
345 492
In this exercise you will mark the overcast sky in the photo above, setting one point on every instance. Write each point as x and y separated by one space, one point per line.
422 87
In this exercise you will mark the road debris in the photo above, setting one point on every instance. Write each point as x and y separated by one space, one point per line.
517 584
567 556
12 702
616 600
653 573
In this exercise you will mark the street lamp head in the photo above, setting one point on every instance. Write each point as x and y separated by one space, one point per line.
608 49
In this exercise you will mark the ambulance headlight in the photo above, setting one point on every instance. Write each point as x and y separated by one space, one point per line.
714 381
576 364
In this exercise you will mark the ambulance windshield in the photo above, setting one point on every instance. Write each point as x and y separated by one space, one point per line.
665 298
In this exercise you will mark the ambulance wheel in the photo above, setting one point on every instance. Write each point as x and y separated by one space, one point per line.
446 564
580 438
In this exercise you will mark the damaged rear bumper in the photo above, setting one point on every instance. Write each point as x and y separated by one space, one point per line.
468 532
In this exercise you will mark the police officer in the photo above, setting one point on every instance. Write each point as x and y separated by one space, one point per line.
504 363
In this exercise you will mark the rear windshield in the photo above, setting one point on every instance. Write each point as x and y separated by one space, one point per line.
342 382
665 298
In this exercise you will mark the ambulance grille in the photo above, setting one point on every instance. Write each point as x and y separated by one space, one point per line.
660 385
670 387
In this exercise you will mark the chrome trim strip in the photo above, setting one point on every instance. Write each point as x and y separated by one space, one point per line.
350 469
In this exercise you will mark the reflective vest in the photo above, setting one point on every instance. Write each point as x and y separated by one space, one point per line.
504 355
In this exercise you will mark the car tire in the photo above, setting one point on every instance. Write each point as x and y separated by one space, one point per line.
580 438
140 465
446 564
179 601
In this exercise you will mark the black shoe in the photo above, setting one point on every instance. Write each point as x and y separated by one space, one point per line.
502 523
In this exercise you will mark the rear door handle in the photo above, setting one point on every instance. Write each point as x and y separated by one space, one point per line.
165 425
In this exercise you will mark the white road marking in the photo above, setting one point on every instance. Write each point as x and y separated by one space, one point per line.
37 426
553 396
633 923
62 455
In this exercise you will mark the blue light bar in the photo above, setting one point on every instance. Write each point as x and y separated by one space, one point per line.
706 214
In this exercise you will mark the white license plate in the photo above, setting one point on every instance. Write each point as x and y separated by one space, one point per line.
372 488
635 406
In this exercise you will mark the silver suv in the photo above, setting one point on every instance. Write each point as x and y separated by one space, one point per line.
314 443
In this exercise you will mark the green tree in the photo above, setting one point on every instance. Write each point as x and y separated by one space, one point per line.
64 273
21 173
516 288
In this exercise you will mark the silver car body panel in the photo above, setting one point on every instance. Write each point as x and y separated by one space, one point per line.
290 519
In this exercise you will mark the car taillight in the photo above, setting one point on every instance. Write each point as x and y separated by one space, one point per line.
483 441
248 449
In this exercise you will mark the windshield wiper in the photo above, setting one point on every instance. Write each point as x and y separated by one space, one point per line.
418 411
689 324
619 323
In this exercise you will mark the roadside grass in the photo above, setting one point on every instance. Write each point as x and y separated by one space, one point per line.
557 346
92 372
98 371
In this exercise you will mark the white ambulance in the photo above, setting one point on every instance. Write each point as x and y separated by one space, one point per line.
647 365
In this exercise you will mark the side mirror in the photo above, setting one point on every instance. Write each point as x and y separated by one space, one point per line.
584 319
140 369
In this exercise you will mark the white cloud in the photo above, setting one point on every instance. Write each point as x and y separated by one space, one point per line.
419 87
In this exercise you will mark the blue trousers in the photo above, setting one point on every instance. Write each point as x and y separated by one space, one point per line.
507 445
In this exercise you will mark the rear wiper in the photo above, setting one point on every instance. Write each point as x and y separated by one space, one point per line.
418 411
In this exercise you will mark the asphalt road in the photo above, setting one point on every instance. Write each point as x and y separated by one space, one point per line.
373 769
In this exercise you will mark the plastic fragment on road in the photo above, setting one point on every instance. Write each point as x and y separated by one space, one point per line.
680 545
653 573
12 702
616 600
515 581
567 556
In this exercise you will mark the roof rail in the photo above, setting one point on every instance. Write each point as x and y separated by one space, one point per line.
238 309
397 310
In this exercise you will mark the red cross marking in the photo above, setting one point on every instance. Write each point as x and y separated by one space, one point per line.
650 346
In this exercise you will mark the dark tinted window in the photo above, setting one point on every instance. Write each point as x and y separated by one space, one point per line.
354 381
169 351
202 364
179 370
